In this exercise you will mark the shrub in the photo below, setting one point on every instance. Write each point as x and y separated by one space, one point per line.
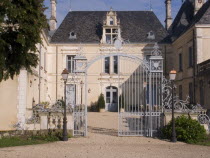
187 130
93 107
101 102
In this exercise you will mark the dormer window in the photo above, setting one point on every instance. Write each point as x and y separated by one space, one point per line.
72 35
111 28
111 21
111 35
151 35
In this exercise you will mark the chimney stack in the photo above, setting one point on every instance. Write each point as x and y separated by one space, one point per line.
198 4
168 20
53 21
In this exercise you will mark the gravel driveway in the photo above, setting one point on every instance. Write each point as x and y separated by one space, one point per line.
102 142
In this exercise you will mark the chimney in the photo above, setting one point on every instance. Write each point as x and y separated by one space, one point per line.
198 4
168 20
53 21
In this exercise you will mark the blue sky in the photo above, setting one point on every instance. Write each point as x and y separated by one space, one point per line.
158 6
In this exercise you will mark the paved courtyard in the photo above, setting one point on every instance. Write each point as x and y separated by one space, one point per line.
102 142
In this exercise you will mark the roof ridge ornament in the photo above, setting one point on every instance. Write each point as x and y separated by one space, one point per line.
156 50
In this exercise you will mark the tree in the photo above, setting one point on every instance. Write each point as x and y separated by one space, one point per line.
101 102
21 22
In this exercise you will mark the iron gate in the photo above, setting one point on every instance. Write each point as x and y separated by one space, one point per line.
139 94
140 101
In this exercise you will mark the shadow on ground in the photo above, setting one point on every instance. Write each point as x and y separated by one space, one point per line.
103 131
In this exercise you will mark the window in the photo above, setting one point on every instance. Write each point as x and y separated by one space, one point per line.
107 65
190 57
150 35
111 35
180 92
72 35
201 92
70 63
111 21
116 64
191 92
180 62
108 39
45 61
108 97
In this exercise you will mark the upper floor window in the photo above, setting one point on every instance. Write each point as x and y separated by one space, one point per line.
115 64
70 63
107 65
111 21
111 35
190 57
180 62
111 65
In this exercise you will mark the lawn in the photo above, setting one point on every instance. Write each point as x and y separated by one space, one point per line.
205 142
21 141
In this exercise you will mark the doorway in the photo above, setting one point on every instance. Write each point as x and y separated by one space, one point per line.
111 99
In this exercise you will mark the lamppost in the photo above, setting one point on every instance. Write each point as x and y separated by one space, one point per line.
65 74
81 84
172 78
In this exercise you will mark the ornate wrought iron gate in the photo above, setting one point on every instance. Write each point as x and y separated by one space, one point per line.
139 94
140 101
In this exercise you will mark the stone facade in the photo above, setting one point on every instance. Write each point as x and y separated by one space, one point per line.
18 96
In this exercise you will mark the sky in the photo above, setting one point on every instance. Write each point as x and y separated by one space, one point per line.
158 6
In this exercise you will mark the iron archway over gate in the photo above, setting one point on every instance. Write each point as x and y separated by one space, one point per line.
139 95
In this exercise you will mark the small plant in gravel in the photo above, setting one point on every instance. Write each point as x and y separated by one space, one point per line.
187 130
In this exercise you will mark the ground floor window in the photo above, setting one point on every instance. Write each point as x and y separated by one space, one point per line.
180 92
201 92
191 92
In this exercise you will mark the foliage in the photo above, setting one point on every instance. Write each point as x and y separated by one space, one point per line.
93 107
187 130
20 141
101 102
45 104
52 136
61 101
21 22
205 142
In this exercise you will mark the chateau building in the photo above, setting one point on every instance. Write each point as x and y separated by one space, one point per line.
184 44
188 52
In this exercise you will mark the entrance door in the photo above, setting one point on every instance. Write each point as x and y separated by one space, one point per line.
111 99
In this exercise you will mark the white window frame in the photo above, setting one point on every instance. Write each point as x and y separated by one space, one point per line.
112 33
72 63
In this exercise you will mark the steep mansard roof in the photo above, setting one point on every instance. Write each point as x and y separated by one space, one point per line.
88 27
185 19
203 15
182 20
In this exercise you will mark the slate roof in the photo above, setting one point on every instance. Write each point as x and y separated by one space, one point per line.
88 27
185 19
203 15
182 20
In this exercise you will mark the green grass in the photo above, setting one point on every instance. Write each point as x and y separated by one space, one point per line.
21 141
206 142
